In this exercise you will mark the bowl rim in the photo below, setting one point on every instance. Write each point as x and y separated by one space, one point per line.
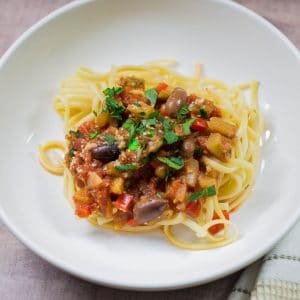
123 285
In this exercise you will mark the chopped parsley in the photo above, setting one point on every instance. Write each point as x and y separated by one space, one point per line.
207 192
176 163
134 145
195 196
93 134
151 95
137 104
170 136
112 92
155 114
71 154
130 126
126 167
109 138
203 113
183 111
197 152
77 133
127 124
114 107
186 126
95 113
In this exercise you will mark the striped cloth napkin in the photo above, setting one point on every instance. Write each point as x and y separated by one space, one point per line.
276 276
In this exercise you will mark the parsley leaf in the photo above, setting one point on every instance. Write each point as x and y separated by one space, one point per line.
114 91
195 196
203 113
93 134
176 163
155 114
207 192
71 154
95 113
109 138
77 133
169 135
114 107
186 125
184 110
197 152
127 124
126 167
151 95
134 145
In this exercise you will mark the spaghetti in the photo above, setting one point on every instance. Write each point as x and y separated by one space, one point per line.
148 148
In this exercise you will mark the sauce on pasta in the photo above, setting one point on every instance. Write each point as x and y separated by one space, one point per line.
148 148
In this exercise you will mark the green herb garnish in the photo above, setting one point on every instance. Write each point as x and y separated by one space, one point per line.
109 138
169 135
77 133
134 145
197 152
93 134
176 163
207 192
127 124
195 196
137 104
126 167
186 126
114 107
112 92
155 114
183 111
151 95
95 113
203 113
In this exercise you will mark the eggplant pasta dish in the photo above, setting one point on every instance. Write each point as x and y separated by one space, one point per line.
148 148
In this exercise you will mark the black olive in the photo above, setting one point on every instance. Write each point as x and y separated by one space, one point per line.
149 210
175 101
106 152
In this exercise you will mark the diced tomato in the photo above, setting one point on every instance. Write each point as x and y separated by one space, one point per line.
124 202
161 86
83 210
86 127
132 223
191 98
218 227
216 112
202 140
163 110
193 208
199 125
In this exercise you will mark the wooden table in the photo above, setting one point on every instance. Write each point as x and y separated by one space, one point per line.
23 275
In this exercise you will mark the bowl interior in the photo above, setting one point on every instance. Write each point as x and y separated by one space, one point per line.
235 46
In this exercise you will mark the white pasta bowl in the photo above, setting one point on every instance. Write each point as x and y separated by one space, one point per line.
234 44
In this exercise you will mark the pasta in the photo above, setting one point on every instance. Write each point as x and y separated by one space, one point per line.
202 190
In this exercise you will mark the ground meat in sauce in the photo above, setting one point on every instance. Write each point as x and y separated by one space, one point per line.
133 168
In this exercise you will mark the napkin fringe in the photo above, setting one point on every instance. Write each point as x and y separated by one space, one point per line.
275 289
